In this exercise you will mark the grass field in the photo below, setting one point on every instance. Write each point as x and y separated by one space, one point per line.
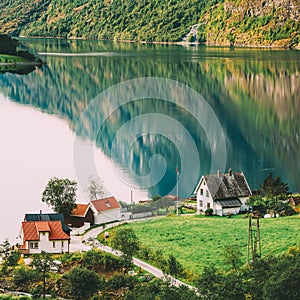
199 241
4 58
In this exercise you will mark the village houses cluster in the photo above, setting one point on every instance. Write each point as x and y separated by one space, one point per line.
51 232
224 194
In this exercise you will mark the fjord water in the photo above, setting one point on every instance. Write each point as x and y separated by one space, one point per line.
254 93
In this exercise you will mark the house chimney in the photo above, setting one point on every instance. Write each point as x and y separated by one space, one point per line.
219 173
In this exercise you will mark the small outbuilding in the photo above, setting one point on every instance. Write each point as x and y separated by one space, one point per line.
80 215
106 210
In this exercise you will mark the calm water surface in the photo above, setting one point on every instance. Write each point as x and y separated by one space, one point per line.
254 97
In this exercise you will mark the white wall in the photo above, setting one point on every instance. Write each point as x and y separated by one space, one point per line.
223 212
205 198
244 207
56 246
108 216
80 230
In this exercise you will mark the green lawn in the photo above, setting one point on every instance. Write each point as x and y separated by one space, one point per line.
4 58
197 241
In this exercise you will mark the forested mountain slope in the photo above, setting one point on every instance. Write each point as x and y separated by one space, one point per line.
223 22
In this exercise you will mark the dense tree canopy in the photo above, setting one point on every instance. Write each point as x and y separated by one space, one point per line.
126 241
166 21
61 195
273 193
82 283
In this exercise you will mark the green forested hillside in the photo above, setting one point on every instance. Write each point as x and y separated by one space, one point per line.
223 22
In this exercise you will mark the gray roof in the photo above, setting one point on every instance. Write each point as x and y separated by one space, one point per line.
227 203
48 217
226 186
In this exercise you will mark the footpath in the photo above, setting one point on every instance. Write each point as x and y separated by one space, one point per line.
79 243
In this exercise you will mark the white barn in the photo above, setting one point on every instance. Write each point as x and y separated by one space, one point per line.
106 210
223 193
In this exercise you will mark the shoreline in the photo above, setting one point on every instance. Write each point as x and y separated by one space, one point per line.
181 43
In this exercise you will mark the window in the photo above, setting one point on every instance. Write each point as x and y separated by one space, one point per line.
208 204
201 203
62 244
33 245
201 192
53 244
207 193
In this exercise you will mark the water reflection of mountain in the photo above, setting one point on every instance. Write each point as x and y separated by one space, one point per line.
255 94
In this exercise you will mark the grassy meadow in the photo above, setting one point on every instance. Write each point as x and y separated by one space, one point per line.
199 241
9 59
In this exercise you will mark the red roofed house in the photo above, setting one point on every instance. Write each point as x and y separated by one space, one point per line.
45 236
106 210
80 215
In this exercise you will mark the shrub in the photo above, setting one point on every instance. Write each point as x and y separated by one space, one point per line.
118 281
209 212
24 276
83 283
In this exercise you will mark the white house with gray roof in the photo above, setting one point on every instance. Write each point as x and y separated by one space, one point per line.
224 193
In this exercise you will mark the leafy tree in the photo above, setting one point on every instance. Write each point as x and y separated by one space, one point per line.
275 191
118 281
24 276
174 267
232 256
208 283
8 45
10 257
126 241
43 264
156 197
83 283
95 188
93 258
61 195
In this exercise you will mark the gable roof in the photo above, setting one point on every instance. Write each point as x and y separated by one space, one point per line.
105 204
228 185
42 226
80 210
31 230
48 217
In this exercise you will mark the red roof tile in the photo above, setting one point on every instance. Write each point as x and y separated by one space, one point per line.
105 204
80 210
31 230
42 226
57 232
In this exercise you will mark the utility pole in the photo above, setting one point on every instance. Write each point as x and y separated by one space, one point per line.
177 199
254 246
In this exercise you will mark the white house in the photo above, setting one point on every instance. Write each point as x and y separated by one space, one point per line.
224 193
106 210
45 236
